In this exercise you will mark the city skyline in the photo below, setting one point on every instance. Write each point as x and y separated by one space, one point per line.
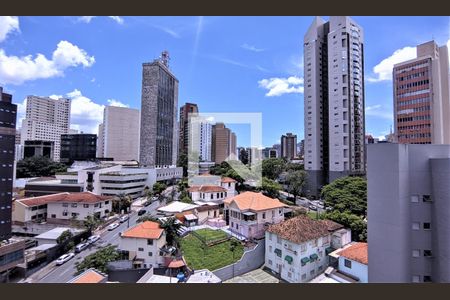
260 75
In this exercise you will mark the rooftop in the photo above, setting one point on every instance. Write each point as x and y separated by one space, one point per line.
203 276
254 201
177 207
55 233
83 197
302 228
227 179
145 230
356 252
206 189
89 276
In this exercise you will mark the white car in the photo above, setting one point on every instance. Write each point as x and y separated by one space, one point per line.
123 218
113 226
92 239
64 258
81 247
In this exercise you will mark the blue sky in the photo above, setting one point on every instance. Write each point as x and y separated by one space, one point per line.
224 64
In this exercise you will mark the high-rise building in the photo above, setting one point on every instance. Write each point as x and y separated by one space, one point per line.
289 146
301 148
277 148
45 120
80 146
421 97
185 111
120 134
269 152
37 148
333 101
100 141
159 138
8 115
408 212
223 143
205 140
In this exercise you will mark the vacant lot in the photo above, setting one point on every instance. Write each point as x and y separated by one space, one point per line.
199 256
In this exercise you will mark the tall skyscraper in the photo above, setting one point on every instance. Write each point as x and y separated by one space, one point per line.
223 143
421 97
81 146
159 138
408 213
333 101
100 140
120 135
8 115
205 140
289 146
185 111
45 120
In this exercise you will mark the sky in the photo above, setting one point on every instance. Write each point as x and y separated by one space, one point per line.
224 64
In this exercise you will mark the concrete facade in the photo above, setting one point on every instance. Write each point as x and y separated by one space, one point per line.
289 146
421 97
159 129
45 120
223 143
334 101
184 127
408 195
120 136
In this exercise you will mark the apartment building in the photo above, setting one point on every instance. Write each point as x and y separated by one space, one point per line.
408 195
289 146
421 97
333 101
79 146
45 120
184 127
223 143
297 249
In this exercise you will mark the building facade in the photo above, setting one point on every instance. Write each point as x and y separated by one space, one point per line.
289 146
8 116
38 148
185 111
120 136
334 101
78 147
45 120
421 97
159 138
223 143
205 141
408 194
100 141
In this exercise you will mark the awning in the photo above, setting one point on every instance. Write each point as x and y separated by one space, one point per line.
190 217
248 213
289 259
329 250
313 256
278 252
304 260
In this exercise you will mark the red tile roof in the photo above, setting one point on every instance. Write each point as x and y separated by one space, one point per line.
254 201
145 230
175 264
356 252
83 197
302 228
227 179
206 188
89 276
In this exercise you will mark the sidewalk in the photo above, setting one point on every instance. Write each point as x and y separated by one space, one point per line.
40 274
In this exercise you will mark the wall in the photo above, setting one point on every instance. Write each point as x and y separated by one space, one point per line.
57 209
357 269
132 245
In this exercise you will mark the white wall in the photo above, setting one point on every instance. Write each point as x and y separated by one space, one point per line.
357 269
133 244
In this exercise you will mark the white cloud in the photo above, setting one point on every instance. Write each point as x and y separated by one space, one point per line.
251 48
379 111
383 70
8 25
281 86
114 102
168 30
118 19
85 114
16 70
88 19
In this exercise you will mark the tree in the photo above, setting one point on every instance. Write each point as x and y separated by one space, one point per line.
243 156
171 227
346 194
273 167
99 259
38 166
64 236
121 202
233 245
159 187
356 223
145 218
296 180
270 188
185 198
183 162
91 222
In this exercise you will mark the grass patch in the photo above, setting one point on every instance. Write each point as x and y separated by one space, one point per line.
312 214
198 256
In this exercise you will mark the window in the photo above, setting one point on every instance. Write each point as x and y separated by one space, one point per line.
270 236
270 262
278 240
426 198
415 198
416 253
74 205
426 278
289 274
106 202
415 226
149 242
426 226
140 249
416 278
65 205
348 263
264 215
427 253
237 226
75 215
312 272
53 216
150 254
303 248
64 213
304 276
86 205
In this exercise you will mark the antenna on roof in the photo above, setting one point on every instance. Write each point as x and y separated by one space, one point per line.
165 58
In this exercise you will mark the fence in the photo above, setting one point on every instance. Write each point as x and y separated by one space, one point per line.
251 260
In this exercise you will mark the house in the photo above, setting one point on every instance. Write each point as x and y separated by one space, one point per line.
229 184
145 243
352 264
249 213
90 276
297 249
199 215
208 193
61 208
51 236
176 207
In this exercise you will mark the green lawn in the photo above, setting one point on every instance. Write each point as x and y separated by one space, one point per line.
211 235
215 257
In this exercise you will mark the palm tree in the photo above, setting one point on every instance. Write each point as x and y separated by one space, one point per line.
91 223
171 227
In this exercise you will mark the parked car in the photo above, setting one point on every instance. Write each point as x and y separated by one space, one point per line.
123 218
81 247
147 203
92 239
64 258
142 212
312 207
113 226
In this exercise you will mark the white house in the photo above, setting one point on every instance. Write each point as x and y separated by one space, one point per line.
61 207
352 264
208 193
145 243
298 248
229 184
